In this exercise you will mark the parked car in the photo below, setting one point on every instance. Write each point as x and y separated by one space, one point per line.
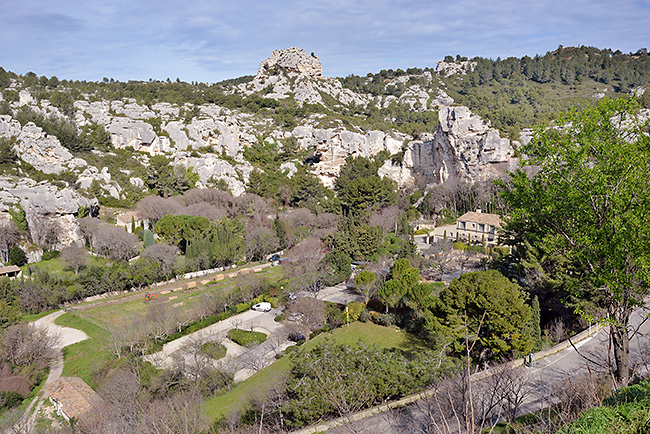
274 258
262 307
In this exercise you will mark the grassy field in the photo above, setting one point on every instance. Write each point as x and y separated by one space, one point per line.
369 333
58 265
116 314
84 359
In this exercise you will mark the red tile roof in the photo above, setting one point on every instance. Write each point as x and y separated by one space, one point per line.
76 397
481 217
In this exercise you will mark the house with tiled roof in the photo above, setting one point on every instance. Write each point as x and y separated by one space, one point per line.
474 227
10 271
129 219
72 397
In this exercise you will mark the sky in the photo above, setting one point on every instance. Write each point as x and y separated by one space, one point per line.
213 40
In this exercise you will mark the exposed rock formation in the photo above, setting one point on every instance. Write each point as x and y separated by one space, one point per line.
292 59
35 147
450 68
45 204
333 146
464 147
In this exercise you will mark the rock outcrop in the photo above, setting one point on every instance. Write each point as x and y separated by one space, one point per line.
450 68
463 147
292 59
35 147
333 146
45 205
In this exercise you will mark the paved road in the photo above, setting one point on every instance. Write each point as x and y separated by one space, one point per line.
243 361
547 375
339 294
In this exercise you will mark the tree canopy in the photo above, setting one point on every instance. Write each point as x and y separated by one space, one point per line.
587 202
484 306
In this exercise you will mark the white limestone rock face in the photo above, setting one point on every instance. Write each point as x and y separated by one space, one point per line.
210 166
451 68
44 203
35 147
138 135
103 177
464 147
400 173
333 146
293 59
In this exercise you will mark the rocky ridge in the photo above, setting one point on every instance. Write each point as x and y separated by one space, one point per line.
212 141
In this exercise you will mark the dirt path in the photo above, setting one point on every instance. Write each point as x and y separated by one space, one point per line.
66 336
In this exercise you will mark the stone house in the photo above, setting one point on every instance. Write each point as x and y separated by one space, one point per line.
10 271
126 219
72 397
474 227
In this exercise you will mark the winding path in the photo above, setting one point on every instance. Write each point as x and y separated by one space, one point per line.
65 336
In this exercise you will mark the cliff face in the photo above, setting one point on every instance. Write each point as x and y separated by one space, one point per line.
463 148
212 140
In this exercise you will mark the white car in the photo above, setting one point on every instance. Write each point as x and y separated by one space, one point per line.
262 307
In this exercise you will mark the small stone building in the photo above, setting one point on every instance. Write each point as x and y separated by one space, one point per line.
72 397
474 227
10 271
129 218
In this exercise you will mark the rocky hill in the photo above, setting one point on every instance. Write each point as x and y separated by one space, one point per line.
79 142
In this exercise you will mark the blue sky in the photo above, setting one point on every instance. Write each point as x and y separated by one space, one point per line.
212 40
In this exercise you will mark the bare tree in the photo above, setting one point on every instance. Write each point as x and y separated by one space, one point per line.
75 257
260 241
204 209
9 235
305 266
200 361
153 208
386 218
267 403
89 228
180 413
25 344
163 254
438 259
308 312
126 399
115 243
46 232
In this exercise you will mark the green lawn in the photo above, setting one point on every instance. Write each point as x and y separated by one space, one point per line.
58 265
86 358
117 314
246 338
369 333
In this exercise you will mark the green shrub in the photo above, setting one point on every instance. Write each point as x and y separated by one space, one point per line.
385 319
18 215
214 350
17 256
50 255
354 310
147 237
11 399
246 338
459 245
